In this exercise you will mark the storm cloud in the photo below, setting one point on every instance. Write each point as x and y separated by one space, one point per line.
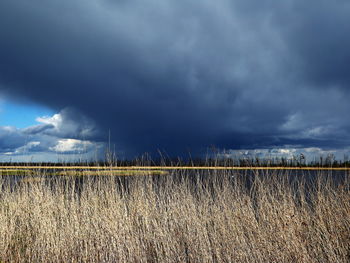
182 76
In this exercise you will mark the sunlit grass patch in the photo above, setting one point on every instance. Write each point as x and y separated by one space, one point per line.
110 172
5 172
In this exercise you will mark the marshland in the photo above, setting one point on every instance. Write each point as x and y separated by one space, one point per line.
174 215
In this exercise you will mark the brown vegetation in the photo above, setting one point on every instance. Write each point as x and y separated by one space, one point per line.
175 219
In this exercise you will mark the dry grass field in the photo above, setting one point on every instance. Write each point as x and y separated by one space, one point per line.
221 218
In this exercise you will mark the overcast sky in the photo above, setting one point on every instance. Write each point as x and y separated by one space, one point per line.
177 76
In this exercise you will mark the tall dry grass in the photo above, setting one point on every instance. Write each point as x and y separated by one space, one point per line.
266 218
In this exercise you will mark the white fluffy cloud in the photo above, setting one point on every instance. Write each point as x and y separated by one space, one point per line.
54 136
71 145
55 120
66 124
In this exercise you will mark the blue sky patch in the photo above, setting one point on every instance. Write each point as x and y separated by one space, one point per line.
21 115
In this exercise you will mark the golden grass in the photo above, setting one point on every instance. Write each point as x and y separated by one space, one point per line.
175 219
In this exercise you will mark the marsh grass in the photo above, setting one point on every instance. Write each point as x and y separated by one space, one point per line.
213 216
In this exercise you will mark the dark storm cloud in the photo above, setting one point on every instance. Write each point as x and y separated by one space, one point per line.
318 34
10 139
184 75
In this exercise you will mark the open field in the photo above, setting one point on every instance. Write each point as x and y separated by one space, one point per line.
203 216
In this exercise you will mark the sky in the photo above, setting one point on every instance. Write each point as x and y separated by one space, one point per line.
173 76
21 115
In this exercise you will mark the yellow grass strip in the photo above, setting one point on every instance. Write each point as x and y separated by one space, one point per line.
111 172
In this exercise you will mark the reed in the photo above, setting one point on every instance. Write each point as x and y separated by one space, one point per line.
208 216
